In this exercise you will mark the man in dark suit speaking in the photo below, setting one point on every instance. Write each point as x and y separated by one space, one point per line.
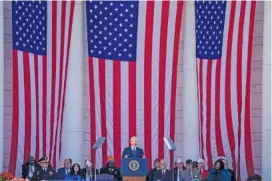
133 151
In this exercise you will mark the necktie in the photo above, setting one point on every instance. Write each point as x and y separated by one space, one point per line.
162 174
190 175
178 175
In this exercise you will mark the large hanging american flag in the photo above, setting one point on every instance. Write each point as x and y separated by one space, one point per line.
41 34
133 53
224 36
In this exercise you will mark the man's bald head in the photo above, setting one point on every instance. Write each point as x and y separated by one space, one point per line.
31 160
133 141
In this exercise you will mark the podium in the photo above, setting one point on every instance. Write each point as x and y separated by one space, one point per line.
134 169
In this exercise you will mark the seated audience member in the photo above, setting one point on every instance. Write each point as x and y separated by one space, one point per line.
64 172
111 169
202 172
75 173
254 177
232 172
44 172
219 173
156 167
177 170
195 164
88 172
190 173
163 174
29 168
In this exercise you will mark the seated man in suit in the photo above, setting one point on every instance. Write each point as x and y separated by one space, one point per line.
190 173
177 170
133 151
111 169
29 168
88 172
163 174
152 171
64 172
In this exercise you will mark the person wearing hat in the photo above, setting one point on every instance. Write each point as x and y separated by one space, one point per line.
177 170
190 173
64 172
29 168
202 172
111 169
155 169
88 172
45 172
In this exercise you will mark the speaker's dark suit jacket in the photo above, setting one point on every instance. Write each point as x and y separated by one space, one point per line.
139 153
158 176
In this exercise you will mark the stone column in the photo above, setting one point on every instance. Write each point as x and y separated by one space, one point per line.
72 136
266 94
190 103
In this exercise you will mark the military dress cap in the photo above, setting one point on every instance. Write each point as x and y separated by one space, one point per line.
44 160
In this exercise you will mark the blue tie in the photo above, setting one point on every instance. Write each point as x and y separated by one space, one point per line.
134 152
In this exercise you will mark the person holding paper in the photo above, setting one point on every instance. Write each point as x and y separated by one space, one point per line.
133 151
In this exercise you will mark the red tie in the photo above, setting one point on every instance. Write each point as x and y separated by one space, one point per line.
162 174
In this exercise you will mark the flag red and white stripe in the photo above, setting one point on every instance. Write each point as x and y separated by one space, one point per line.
137 98
39 80
224 93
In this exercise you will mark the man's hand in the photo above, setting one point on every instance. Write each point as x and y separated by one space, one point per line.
144 156
126 156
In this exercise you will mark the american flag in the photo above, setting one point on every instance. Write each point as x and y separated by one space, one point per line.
224 36
133 53
41 34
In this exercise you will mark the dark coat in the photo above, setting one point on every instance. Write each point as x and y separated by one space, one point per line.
139 153
40 174
174 173
61 175
116 172
25 169
158 175
83 173
151 173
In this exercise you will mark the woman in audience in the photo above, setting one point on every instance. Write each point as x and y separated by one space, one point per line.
75 172
219 173
195 164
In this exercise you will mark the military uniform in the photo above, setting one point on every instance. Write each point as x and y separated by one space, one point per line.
44 173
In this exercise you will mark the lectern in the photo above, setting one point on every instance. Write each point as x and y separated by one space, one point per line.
134 169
